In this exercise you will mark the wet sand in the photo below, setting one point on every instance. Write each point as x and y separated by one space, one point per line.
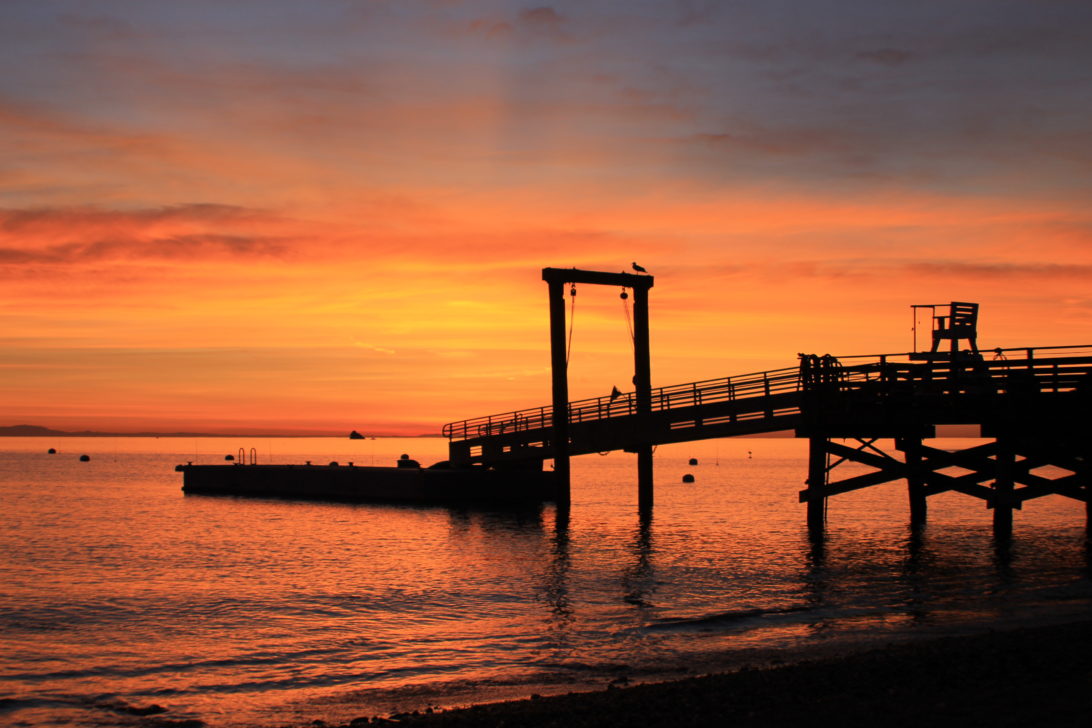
1036 676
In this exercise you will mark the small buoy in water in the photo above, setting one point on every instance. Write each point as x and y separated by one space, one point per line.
85 458
693 461
229 458
688 478
52 451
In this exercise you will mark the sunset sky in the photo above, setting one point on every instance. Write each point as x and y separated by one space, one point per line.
290 216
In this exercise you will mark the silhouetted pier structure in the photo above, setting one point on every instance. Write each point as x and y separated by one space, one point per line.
1031 404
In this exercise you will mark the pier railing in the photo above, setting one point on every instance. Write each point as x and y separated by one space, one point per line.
1018 369
998 371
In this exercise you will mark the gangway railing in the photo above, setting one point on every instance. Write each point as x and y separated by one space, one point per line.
693 394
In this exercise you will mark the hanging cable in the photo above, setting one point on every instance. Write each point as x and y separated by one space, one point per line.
572 317
629 319
914 326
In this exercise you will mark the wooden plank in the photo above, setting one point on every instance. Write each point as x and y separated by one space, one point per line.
564 276
862 456
1069 486
968 483
860 481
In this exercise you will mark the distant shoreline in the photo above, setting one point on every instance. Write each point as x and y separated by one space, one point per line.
38 431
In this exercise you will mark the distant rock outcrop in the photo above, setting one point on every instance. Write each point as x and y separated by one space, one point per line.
354 435
28 431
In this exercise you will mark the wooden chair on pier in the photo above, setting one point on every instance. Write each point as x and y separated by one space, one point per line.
960 323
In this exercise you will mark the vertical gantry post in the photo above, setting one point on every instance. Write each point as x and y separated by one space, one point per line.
642 382
817 480
559 366
1003 488
915 481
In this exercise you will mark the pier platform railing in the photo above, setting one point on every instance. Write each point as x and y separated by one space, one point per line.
1016 370
878 393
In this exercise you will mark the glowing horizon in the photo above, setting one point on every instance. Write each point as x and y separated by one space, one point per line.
291 216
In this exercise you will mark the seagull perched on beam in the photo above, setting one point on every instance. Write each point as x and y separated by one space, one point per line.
639 269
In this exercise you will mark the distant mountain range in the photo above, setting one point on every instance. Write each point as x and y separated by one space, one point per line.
37 431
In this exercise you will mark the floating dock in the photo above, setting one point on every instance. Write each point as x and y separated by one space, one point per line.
408 485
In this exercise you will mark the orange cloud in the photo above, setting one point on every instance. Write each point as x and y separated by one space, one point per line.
323 225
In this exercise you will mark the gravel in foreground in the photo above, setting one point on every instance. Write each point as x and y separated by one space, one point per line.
1026 677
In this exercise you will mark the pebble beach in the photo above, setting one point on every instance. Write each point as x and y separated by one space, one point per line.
1038 676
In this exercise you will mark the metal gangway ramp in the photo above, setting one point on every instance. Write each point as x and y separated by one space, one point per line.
726 407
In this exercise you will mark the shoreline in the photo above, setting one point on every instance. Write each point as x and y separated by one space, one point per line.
1020 676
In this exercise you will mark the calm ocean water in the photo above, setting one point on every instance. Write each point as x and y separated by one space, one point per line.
126 602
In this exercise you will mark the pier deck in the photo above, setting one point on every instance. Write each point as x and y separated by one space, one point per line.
1032 403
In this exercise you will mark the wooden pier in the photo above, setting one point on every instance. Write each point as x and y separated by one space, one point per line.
1031 404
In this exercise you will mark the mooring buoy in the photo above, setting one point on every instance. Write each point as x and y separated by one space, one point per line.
693 461
688 478
85 458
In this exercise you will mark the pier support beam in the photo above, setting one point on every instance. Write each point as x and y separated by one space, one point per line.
1085 474
642 376
915 479
1003 486
645 490
559 366
817 480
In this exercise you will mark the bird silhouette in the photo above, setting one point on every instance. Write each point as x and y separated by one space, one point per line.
615 393
639 269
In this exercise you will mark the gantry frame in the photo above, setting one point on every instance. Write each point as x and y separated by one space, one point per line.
556 280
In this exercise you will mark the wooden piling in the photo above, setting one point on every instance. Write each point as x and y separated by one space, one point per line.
817 479
642 382
915 481
1003 483
560 368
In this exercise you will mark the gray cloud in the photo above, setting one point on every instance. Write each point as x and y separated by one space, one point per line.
18 220
890 57
960 269
182 247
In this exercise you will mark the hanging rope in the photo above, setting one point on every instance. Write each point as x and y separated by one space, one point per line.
572 317
629 318
914 326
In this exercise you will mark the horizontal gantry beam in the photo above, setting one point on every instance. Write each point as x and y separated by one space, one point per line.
593 277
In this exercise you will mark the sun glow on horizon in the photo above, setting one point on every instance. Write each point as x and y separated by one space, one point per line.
201 229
